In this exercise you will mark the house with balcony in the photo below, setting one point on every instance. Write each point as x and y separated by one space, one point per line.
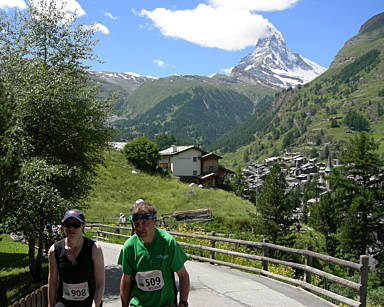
192 164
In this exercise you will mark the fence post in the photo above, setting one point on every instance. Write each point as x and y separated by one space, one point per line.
265 254
308 262
44 293
213 244
363 280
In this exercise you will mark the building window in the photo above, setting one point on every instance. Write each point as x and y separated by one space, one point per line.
194 159
194 173
211 168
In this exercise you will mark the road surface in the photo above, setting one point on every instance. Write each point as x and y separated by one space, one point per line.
213 285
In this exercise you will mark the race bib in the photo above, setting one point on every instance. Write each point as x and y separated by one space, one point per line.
150 281
75 292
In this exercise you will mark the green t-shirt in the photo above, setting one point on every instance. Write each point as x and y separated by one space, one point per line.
162 255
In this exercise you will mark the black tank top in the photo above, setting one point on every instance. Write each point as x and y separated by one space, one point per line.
75 273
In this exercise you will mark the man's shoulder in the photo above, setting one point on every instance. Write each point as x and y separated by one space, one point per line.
165 235
131 241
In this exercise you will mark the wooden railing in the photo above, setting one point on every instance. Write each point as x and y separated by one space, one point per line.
37 298
362 268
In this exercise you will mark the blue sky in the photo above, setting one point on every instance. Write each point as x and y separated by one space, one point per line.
165 37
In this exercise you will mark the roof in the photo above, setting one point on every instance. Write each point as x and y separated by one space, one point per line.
208 175
175 150
211 154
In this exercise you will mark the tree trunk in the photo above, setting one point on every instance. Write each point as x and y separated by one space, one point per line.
35 264
31 253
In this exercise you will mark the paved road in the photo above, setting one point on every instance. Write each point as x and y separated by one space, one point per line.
213 285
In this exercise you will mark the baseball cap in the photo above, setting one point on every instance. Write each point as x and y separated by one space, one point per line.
75 213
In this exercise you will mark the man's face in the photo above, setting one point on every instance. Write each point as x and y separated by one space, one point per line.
145 229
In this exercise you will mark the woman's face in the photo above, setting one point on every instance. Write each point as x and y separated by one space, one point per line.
73 228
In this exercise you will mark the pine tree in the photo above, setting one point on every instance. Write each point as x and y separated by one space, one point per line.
275 208
357 190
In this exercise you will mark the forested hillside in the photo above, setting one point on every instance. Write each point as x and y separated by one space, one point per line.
198 114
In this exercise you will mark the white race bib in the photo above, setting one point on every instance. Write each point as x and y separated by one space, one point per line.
75 292
150 281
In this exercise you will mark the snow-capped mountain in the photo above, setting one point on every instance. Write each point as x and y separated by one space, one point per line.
273 64
128 80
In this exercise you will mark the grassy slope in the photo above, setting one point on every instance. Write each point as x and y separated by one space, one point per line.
117 189
15 279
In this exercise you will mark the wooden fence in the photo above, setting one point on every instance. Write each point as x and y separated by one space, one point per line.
37 298
362 268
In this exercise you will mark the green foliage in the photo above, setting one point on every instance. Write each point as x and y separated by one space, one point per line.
356 121
15 280
57 122
365 62
142 153
244 133
117 188
324 219
274 206
199 115
163 141
358 194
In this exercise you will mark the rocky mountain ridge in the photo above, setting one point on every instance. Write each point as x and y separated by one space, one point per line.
273 64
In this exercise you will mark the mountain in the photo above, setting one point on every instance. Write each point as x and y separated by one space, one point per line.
273 64
128 81
318 117
194 111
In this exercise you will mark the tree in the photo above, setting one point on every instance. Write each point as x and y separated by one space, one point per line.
357 189
142 153
59 122
9 151
324 218
275 210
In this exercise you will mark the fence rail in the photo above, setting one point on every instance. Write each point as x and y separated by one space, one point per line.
37 298
362 268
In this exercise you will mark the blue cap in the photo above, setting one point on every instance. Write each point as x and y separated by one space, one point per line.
75 213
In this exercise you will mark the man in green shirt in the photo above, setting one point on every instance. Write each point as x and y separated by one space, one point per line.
149 259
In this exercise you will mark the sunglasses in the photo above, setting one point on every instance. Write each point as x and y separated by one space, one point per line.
73 225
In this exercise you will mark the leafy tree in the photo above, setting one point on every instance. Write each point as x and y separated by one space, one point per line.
356 121
56 117
275 210
324 218
9 151
357 188
142 153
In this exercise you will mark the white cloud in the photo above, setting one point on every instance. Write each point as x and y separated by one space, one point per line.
69 6
218 27
159 63
109 15
226 71
253 5
5 4
98 27
162 64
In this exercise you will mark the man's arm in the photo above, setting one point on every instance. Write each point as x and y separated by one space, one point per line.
53 276
125 289
183 284
98 267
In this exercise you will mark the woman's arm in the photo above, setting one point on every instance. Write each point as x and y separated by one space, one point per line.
53 276
98 266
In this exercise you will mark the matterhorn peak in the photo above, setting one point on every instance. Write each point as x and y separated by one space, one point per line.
273 64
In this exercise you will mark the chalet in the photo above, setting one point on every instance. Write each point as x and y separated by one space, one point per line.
192 164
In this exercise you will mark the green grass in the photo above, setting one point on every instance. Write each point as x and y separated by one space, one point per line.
117 189
15 279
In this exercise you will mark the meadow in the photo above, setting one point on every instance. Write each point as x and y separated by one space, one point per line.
119 185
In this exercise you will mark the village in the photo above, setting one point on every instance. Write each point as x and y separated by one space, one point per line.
297 168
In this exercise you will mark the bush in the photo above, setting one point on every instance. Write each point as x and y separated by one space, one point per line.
143 154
